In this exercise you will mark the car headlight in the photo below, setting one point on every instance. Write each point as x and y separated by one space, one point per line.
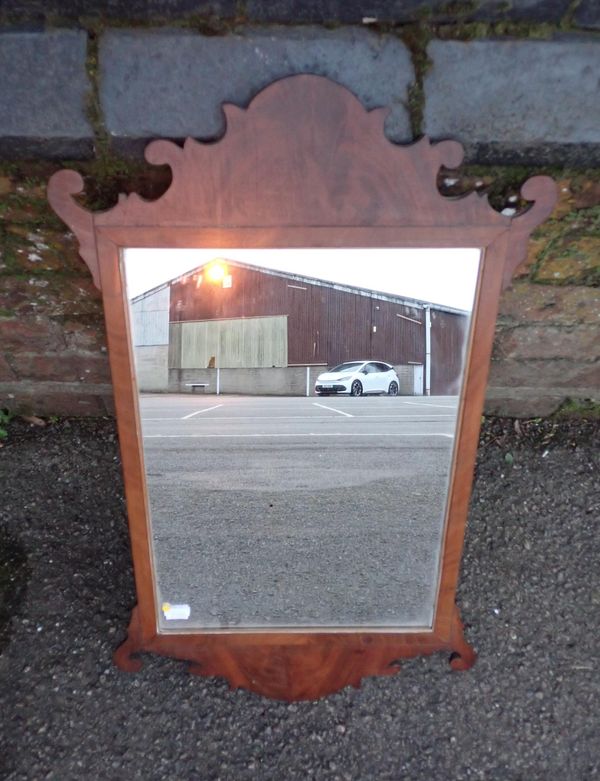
345 377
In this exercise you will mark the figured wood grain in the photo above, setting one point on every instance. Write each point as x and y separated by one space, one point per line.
304 166
299 665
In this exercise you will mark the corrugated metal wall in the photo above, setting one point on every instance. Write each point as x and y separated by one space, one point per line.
325 324
448 343
236 343
150 318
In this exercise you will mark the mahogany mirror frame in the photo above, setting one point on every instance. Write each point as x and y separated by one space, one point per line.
305 165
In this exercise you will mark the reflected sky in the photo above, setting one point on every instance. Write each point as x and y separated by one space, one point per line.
440 276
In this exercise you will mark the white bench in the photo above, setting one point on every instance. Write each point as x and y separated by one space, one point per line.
194 385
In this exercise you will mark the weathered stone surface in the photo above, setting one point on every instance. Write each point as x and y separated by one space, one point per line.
557 376
573 259
62 366
6 373
143 10
43 89
354 12
57 398
527 402
587 14
172 83
513 101
295 11
78 296
341 11
526 303
20 208
548 342
19 334
547 349
522 10
32 249
86 333
565 250
587 195
49 296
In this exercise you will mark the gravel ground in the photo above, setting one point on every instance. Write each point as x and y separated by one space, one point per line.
529 709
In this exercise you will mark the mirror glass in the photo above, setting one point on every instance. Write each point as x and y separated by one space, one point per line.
298 411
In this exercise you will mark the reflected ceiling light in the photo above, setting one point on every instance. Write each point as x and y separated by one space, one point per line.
216 271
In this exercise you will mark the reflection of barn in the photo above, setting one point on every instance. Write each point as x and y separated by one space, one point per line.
252 318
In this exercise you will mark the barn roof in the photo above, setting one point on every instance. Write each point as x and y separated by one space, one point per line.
401 300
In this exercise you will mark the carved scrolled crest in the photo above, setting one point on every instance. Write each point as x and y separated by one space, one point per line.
62 186
304 153
542 190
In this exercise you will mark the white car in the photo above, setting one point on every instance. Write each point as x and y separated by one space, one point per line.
357 378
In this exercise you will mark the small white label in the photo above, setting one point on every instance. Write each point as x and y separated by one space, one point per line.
175 612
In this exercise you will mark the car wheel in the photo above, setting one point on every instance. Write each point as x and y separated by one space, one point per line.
356 388
393 389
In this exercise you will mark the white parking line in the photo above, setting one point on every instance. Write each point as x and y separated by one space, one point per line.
200 411
424 404
422 416
291 436
146 419
339 411
409 418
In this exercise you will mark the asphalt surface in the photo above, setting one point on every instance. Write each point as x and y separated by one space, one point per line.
270 511
529 709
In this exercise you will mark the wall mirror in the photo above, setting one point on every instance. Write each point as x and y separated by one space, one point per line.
274 491
299 333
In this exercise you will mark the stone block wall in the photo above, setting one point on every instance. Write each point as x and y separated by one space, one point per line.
87 87
275 381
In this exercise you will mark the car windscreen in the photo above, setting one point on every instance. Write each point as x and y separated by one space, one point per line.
346 367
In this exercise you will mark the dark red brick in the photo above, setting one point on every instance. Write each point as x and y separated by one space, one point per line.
543 375
86 368
6 373
29 335
85 335
530 303
60 399
548 342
